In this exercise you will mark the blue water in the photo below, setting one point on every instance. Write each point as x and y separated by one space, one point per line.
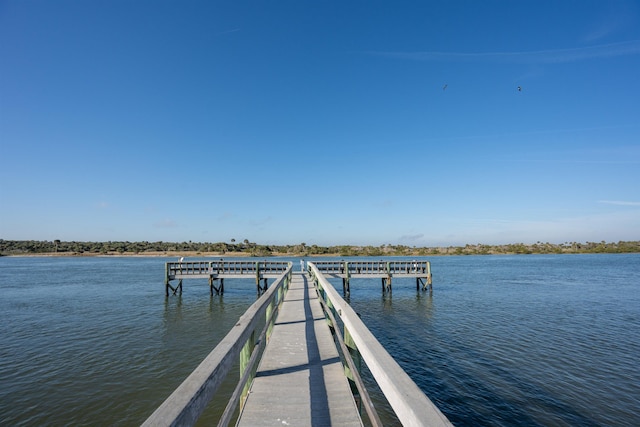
527 340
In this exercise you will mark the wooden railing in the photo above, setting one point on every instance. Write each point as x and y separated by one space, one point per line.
410 404
224 267
413 268
244 342
420 270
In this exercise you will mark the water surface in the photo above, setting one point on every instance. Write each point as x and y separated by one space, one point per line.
531 340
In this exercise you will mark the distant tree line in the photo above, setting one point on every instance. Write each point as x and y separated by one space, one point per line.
247 248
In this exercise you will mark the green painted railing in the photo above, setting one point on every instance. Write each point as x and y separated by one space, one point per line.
410 404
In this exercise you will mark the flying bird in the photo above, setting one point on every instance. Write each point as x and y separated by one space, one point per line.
444 87
519 88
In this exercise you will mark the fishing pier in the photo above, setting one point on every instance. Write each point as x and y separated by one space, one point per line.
218 270
385 270
300 349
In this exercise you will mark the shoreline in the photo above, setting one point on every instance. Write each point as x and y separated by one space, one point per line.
252 250
194 256
169 254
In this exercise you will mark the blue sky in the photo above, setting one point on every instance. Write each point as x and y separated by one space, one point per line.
329 122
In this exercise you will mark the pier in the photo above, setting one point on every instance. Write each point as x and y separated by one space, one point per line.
218 270
385 270
300 347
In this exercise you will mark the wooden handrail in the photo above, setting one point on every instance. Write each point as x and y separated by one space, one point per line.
375 267
410 404
189 400
374 419
186 268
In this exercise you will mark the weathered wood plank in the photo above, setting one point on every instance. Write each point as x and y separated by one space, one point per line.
300 380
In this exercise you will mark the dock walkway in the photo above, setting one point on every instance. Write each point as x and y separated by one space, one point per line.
300 380
291 370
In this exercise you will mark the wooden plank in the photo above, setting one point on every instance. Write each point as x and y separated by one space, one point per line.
300 380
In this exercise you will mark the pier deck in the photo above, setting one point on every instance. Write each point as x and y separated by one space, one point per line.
300 380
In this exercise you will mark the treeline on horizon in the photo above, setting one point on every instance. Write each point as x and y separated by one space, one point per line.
247 248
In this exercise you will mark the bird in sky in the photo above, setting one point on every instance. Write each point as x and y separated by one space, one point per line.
444 87
519 88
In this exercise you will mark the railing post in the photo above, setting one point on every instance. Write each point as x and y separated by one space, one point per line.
245 356
258 276
322 294
270 321
345 282
357 361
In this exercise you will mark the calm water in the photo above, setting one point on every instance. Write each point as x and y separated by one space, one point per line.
505 340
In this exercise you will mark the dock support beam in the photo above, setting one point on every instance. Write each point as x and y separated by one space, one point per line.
260 289
428 281
346 289
219 290
386 284
386 281
175 290
426 284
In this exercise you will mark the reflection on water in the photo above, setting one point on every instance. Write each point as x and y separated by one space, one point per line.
502 340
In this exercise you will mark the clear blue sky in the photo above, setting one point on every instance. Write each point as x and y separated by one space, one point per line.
328 122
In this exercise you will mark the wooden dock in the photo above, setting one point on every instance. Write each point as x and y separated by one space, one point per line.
300 380
300 348
218 270
385 270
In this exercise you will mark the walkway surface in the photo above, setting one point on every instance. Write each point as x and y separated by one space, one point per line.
300 380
